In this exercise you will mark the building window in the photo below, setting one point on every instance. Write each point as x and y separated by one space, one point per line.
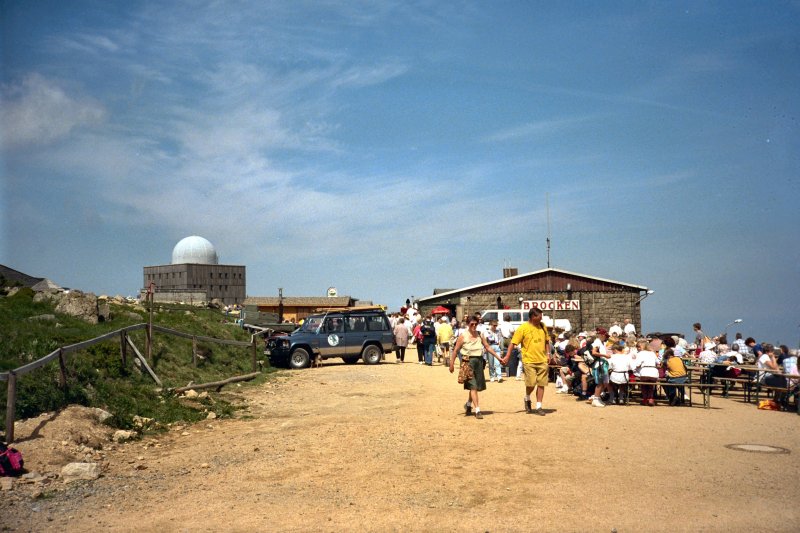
211 275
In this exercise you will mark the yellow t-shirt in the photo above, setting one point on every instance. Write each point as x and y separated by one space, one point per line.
531 341
444 334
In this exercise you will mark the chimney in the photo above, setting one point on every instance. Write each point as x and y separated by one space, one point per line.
509 272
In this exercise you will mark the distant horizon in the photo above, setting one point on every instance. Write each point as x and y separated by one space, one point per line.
392 309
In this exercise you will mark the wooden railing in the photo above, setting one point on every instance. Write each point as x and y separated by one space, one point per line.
11 376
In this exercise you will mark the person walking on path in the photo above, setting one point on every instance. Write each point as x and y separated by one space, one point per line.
472 344
533 339
428 340
443 336
400 339
495 339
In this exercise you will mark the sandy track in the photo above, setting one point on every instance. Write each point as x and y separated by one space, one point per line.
388 448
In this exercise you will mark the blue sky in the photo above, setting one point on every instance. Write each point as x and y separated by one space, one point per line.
388 148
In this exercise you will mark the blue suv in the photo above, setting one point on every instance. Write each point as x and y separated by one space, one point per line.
351 334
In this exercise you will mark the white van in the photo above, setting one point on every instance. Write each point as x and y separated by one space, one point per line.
517 316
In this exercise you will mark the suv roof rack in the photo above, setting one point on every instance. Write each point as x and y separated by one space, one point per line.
344 309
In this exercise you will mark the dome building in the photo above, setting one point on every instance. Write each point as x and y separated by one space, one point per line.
194 250
195 276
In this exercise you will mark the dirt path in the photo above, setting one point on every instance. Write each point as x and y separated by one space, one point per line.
388 448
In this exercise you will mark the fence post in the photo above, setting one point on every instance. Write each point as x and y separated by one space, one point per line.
123 347
255 364
194 350
11 405
62 366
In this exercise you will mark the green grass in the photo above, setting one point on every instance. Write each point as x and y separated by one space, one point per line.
96 376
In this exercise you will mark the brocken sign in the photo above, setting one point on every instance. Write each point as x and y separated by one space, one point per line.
552 305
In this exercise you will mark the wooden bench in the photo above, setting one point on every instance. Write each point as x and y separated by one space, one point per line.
727 383
704 388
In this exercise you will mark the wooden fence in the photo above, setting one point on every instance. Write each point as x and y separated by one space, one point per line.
12 375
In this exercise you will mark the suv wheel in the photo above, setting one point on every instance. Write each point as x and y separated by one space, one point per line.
372 355
350 360
300 358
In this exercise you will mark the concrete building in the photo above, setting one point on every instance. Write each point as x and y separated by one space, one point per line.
195 276
588 302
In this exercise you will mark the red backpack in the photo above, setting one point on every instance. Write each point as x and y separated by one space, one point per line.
10 461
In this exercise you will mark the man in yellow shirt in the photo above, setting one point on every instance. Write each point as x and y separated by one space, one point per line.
443 335
533 339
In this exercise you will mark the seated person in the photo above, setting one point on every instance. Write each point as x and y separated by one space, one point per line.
566 372
645 367
675 373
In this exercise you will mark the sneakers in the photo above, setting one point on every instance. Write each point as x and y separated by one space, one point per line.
528 407
597 402
500 379
467 409
478 415
539 412
491 380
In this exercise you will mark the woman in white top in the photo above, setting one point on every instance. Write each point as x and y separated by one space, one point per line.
618 367
645 365
766 361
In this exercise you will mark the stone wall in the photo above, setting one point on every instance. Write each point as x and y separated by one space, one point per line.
598 309
198 298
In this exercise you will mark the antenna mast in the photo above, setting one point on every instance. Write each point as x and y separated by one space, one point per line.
547 201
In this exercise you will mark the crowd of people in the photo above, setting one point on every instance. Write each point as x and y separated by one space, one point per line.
597 368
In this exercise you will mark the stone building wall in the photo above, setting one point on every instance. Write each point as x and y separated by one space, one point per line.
598 308
224 282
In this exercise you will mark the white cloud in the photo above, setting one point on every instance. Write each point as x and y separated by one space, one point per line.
365 76
39 111
540 128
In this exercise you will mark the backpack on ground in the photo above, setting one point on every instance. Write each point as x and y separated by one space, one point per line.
11 462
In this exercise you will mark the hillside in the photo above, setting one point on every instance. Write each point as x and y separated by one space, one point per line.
96 377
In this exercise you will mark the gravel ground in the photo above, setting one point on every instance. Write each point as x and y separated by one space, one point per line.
388 448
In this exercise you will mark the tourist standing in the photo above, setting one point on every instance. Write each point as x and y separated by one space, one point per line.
495 340
533 339
418 341
443 337
428 340
471 344
400 339
628 328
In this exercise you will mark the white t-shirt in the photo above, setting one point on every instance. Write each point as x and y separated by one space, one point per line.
762 363
629 329
600 345
645 364
615 330
507 329
618 367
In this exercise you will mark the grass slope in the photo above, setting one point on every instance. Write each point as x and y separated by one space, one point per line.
96 376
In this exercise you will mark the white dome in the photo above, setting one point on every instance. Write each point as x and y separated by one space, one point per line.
194 250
